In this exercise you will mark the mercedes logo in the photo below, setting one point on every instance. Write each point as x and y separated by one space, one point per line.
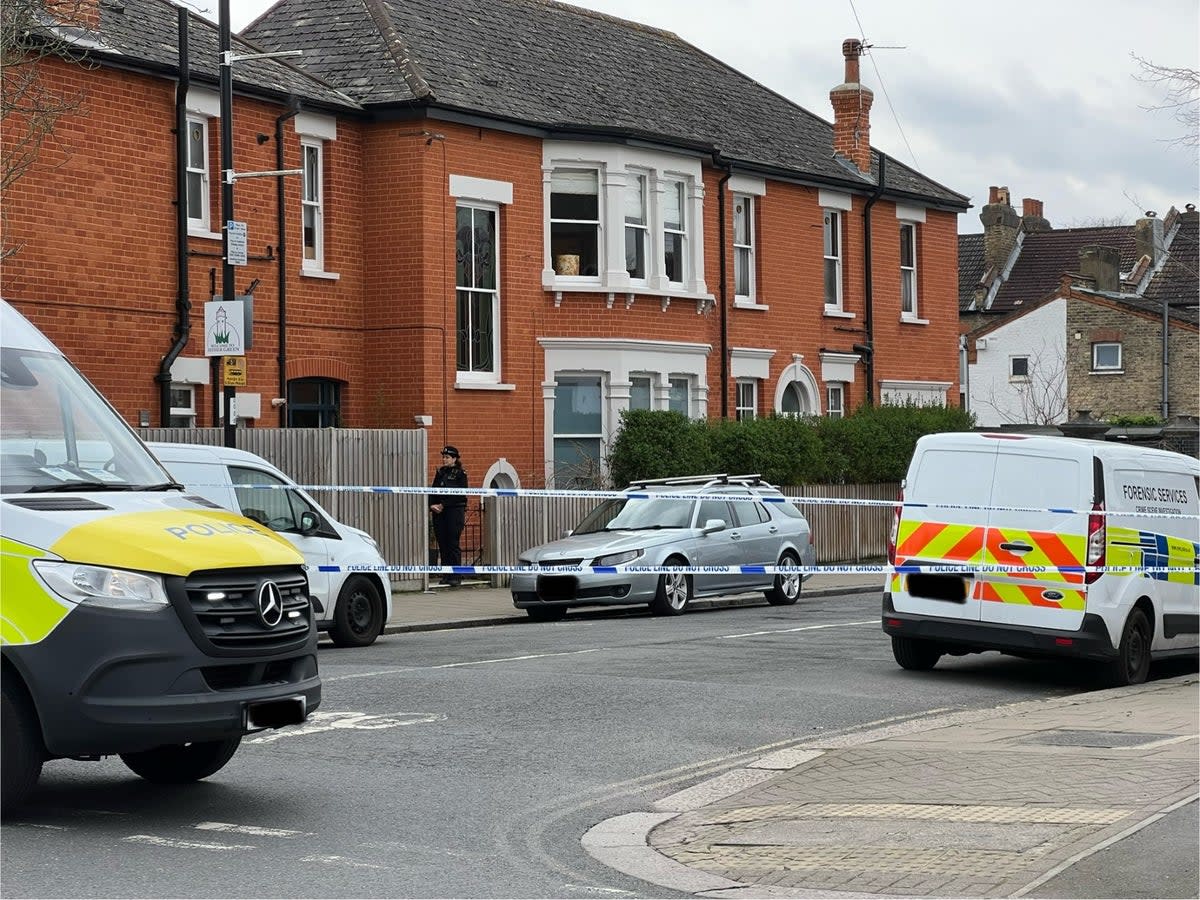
270 604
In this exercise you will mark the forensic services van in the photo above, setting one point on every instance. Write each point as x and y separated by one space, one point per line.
1045 546
135 619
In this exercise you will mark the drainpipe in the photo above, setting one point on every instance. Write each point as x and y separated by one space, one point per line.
869 294
721 163
183 306
293 107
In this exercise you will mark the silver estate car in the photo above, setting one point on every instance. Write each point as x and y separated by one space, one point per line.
717 530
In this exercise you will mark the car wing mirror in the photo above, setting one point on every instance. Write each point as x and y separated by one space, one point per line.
714 525
309 522
567 533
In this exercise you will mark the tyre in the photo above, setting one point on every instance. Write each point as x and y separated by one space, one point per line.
1132 664
786 589
182 763
358 615
546 613
21 743
674 592
915 655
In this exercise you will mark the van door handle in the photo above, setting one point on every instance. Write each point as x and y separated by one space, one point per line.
1016 547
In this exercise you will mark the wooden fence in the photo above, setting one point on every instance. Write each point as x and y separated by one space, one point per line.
510 525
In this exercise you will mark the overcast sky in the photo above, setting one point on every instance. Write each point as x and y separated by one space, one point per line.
1038 95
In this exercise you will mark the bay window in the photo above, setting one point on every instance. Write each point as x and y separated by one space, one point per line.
575 222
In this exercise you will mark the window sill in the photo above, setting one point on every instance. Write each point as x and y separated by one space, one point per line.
834 313
628 295
317 273
206 235
1106 372
483 386
913 320
748 304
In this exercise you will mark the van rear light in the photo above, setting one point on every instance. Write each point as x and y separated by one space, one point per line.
895 532
1064 642
1097 541
893 623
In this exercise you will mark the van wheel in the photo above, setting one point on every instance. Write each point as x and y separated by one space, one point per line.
1132 664
358 615
182 763
22 745
915 655
786 589
674 591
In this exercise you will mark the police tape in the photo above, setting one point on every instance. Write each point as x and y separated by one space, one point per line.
867 569
408 490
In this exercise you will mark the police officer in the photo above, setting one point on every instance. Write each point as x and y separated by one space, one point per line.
449 511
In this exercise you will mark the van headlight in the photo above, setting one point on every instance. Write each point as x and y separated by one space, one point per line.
100 586
615 559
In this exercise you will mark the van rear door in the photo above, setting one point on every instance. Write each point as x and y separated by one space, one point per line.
943 522
1057 482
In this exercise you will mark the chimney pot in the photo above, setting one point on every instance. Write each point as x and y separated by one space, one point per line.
852 50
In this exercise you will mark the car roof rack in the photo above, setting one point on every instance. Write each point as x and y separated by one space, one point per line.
704 480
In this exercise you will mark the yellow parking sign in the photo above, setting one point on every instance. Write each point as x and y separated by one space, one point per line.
235 371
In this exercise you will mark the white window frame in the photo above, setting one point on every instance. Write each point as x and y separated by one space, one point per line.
616 165
684 382
492 375
578 279
835 400
199 226
640 231
312 202
180 412
745 399
649 381
832 225
1120 364
673 184
579 377
745 249
908 274
1013 375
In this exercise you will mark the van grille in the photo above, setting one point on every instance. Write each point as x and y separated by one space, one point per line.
226 608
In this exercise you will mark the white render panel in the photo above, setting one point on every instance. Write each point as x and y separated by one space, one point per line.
834 200
489 190
207 103
315 126
745 184
750 362
1042 336
910 213
190 370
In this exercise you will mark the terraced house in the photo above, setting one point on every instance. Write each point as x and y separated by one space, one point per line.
514 220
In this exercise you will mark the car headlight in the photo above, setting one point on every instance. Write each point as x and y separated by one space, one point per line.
100 586
370 540
522 561
615 559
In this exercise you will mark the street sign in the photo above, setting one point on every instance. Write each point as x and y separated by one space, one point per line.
223 328
235 371
237 242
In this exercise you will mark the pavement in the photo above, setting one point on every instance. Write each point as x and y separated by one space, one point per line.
976 803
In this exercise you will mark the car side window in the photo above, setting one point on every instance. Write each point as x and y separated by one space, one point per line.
713 509
748 512
279 510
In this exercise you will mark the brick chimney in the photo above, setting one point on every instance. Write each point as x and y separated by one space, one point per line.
1032 218
1001 225
1148 233
1102 265
852 111
83 13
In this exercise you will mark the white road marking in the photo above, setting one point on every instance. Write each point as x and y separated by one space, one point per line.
404 670
599 890
36 825
255 830
340 860
355 721
157 841
801 628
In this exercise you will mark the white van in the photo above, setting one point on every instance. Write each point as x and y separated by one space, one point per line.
1071 506
352 606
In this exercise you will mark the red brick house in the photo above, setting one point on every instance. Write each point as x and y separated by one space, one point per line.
507 244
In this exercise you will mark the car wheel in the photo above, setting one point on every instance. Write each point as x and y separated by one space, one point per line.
915 655
22 745
182 763
786 589
358 615
546 613
674 591
1132 664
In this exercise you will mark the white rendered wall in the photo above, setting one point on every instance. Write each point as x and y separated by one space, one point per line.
1042 336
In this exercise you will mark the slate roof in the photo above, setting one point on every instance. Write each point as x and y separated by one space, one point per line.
563 69
1047 255
971 267
1177 282
144 34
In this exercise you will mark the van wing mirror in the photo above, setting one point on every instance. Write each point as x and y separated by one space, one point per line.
309 522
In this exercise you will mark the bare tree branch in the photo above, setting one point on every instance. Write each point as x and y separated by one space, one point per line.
1182 88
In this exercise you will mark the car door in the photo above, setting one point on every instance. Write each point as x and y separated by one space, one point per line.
720 548
260 497
759 539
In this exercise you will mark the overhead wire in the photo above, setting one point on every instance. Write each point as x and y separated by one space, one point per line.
883 87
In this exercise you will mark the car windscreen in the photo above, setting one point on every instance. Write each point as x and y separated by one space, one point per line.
58 433
636 513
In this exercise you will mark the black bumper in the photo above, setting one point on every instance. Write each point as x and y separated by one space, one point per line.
1091 641
107 682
